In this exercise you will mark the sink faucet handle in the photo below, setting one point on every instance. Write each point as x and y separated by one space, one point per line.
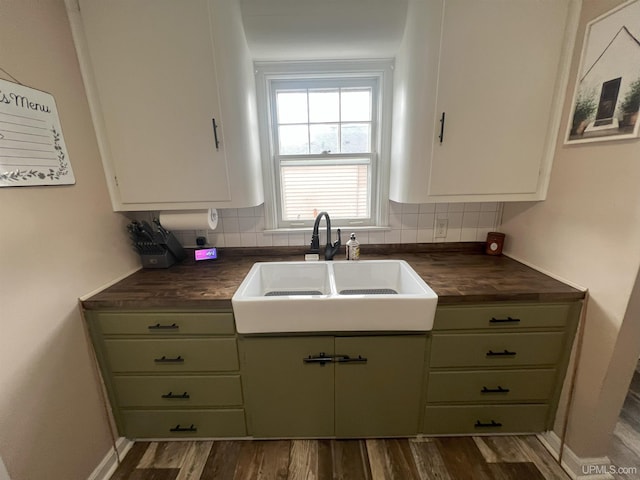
339 241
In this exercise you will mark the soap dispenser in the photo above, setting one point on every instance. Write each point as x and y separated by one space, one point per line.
353 248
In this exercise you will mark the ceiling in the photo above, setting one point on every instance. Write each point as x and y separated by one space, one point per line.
323 29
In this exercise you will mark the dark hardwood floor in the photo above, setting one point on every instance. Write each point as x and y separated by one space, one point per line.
442 458
624 452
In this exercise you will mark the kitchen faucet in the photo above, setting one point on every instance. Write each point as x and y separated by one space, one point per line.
331 249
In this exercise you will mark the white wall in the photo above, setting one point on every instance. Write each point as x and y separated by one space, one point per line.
588 231
56 244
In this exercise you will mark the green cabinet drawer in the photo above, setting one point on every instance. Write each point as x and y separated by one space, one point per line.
496 349
491 419
178 391
491 386
165 323
500 316
172 355
183 423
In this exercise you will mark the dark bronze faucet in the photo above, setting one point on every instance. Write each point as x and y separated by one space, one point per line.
331 249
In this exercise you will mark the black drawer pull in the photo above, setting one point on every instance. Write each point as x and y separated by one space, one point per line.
171 395
504 320
164 359
215 133
321 359
348 359
178 428
494 390
504 353
157 326
493 423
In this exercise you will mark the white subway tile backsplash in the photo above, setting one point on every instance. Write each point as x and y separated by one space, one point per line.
409 236
473 207
489 207
392 236
297 239
410 207
264 240
425 220
247 224
248 240
376 237
232 240
230 225
408 223
280 240
427 208
247 212
425 235
228 212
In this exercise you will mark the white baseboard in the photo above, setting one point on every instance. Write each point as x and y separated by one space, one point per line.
577 468
4 475
109 463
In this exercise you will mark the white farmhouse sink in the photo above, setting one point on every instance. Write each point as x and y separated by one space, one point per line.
366 295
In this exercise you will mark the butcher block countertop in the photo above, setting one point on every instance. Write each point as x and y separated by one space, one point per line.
459 273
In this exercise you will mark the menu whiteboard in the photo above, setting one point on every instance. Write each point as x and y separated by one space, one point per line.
32 148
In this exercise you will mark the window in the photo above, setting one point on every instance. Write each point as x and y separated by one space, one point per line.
323 142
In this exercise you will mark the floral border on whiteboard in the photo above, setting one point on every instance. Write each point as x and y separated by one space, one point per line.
606 99
32 148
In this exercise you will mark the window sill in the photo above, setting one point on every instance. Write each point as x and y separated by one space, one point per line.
359 228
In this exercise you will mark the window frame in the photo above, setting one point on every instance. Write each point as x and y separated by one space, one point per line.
315 74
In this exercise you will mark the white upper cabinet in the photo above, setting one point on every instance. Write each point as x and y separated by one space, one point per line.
172 93
496 70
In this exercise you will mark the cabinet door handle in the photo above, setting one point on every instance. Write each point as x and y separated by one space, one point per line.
215 133
157 326
171 395
493 423
494 390
441 136
178 428
321 359
504 320
164 359
348 359
504 353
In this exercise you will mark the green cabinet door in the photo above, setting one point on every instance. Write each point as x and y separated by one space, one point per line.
379 396
286 395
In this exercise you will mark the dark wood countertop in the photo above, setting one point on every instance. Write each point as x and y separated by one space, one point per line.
458 273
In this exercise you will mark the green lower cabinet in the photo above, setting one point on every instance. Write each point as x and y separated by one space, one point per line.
285 396
367 386
379 397
183 423
170 391
482 419
491 386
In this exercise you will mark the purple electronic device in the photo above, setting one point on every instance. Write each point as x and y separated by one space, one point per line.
206 254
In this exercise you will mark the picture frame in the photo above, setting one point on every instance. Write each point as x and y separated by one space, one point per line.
606 98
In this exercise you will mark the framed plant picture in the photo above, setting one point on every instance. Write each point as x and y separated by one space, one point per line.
606 99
